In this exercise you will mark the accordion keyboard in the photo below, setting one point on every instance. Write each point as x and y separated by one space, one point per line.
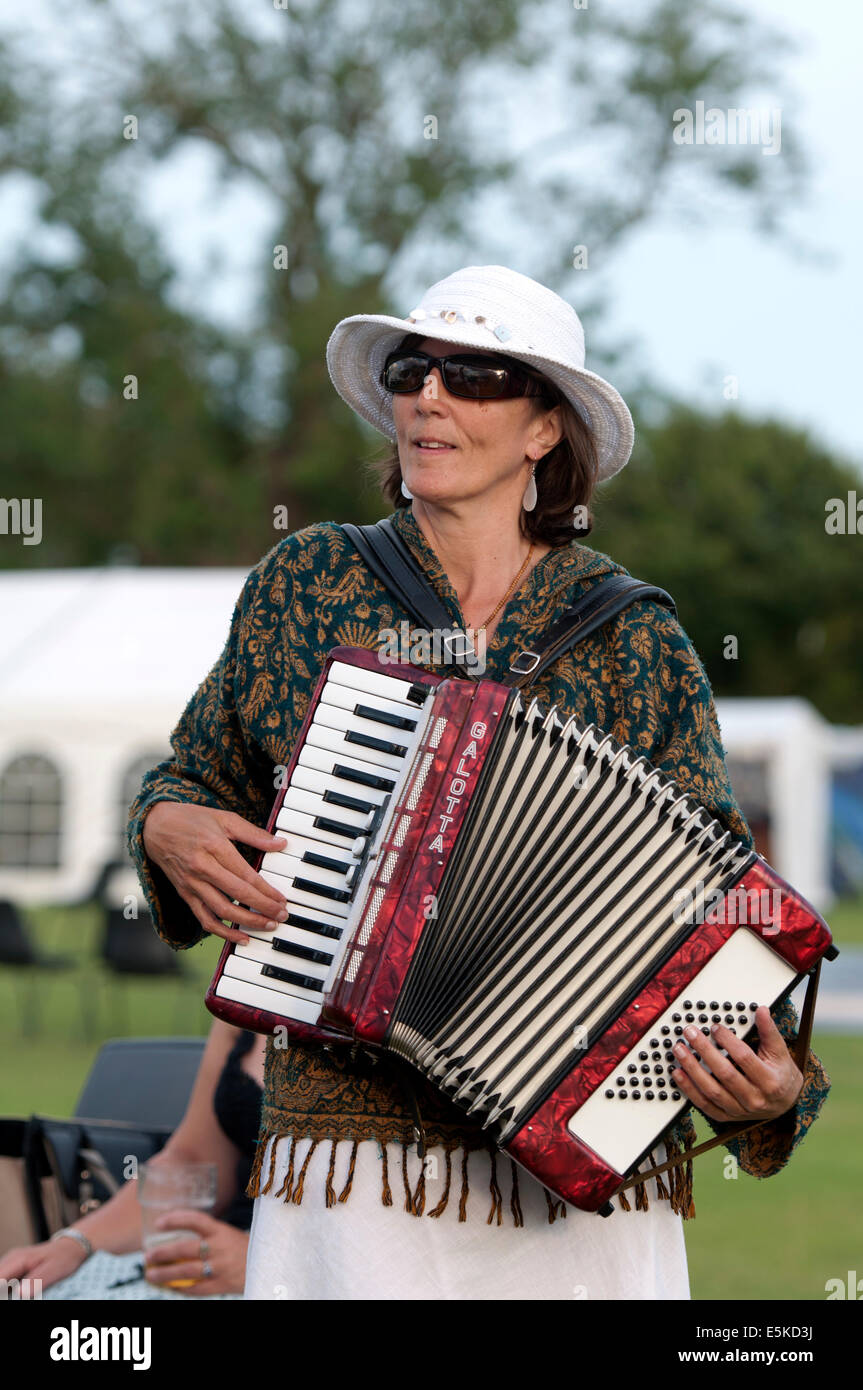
357 751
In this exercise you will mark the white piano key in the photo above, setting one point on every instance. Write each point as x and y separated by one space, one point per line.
620 1130
242 968
335 717
343 697
265 953
322 914
258 996
312 804
373 682
294 825
314 771
284 869
298 845
321 736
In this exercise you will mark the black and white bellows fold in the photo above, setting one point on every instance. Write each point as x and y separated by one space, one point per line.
558 905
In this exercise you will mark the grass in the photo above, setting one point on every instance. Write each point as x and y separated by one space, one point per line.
53 1022
781 1238
784 1237
845 920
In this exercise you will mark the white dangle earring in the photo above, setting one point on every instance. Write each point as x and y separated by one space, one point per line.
528 501
406 492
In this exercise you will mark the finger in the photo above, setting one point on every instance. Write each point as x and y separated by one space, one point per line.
690 1089
700 1080
214 924
224 910
237 879
173 1252
772 1047
724 1073
757 1072
189 1219
167 1274
249 834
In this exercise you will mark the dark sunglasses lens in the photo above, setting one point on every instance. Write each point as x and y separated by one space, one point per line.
405 373
475 378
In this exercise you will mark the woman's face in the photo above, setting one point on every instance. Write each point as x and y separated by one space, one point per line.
489 441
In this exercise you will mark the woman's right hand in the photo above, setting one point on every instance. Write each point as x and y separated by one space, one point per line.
49 1261
194 847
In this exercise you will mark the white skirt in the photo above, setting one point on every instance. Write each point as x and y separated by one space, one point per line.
361 1249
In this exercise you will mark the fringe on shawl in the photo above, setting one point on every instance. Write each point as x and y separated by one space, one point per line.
679 1193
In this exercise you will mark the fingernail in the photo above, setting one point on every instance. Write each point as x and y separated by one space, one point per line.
680 1049
271 926
690 1032
282 914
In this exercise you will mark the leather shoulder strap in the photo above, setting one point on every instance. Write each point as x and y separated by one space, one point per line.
598 606
392 562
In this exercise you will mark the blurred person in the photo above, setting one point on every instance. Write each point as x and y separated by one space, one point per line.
220 1126
499 436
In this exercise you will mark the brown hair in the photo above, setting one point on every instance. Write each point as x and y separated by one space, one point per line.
565 477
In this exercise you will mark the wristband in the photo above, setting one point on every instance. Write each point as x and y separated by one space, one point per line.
75 1235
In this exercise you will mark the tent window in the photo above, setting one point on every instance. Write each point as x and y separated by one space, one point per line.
130 785
31 804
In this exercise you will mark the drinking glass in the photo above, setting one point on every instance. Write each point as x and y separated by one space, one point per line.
170 1186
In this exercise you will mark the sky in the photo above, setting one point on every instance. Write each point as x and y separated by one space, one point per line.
788 328
698 306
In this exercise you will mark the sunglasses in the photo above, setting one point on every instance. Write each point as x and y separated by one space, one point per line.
466 374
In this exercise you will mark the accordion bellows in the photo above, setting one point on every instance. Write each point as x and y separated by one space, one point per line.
526 911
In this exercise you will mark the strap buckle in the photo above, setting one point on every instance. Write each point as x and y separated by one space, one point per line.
525 670
468 650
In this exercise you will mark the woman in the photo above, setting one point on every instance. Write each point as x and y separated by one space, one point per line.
220 1126
495 466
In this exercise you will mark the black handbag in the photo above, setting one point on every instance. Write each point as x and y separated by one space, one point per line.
393 563
73 1166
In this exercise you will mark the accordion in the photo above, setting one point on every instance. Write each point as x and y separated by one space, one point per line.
524 910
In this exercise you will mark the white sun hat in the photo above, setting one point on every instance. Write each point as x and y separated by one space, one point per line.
496 309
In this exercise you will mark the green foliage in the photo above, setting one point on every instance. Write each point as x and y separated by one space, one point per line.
729 515
318 110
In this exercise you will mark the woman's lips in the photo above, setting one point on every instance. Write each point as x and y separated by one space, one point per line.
439 450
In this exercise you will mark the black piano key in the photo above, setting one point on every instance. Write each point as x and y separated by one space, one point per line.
395 721
309 924
366 779
418 694
308 885
290 977
395 750
323 861
291 948
337 827
349 803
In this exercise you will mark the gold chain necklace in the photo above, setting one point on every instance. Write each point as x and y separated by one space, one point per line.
509 590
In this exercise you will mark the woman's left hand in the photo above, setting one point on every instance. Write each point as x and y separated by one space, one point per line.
745 1085
180 1263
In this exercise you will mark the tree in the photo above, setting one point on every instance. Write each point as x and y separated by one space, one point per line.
729 515
372 136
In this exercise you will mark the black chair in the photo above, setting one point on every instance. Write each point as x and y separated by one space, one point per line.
130 947
19 951
144 1081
